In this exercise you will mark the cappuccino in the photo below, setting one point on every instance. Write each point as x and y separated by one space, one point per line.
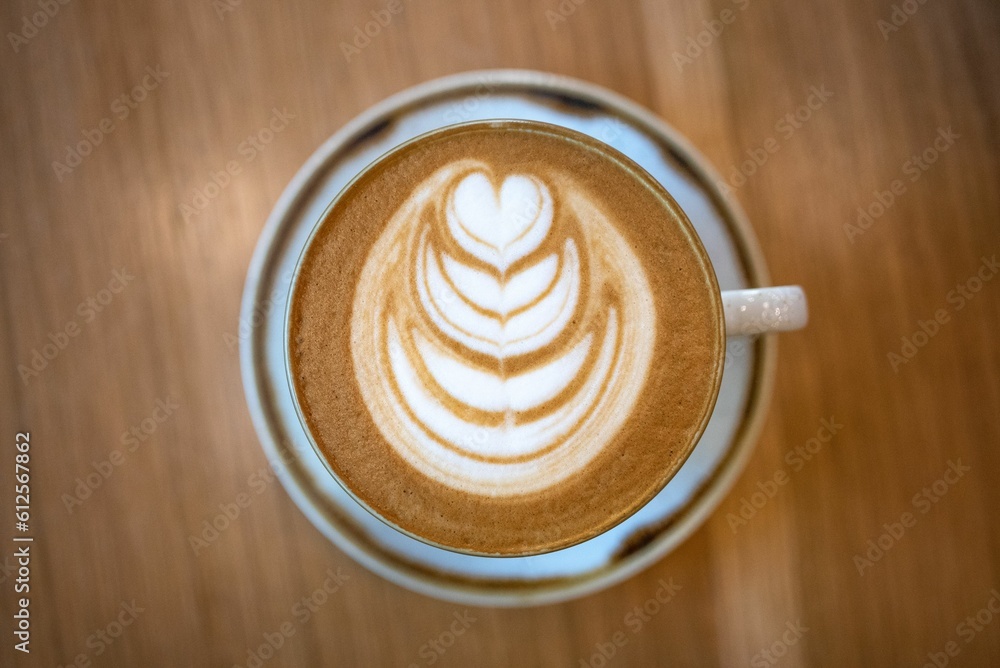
504 337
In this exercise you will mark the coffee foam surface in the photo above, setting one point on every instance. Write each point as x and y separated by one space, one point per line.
502 338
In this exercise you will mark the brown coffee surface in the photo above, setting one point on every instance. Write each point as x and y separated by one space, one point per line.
505 338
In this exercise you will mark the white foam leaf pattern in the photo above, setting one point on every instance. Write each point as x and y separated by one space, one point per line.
490 391
466 356
476 315
510 440
519 290
499 228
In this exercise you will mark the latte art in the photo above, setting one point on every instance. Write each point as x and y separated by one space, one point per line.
501 330
504 338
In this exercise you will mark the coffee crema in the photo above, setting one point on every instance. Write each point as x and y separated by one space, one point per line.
504 338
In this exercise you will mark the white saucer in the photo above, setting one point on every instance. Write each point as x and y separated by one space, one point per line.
602 561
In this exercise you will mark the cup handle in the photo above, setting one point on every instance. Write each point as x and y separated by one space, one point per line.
762 310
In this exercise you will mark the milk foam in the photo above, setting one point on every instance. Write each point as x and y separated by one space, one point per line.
502 330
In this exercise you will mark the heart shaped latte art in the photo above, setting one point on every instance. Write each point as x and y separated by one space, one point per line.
499 227
502 329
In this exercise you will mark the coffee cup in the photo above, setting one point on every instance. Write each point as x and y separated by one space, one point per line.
504 337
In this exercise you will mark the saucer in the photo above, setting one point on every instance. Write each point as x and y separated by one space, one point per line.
673 514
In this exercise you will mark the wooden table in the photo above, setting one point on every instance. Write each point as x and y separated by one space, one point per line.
144 104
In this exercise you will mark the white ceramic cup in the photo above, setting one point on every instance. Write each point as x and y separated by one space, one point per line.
719 456
746 312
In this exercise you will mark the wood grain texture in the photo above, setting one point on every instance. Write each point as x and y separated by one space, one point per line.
164 336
